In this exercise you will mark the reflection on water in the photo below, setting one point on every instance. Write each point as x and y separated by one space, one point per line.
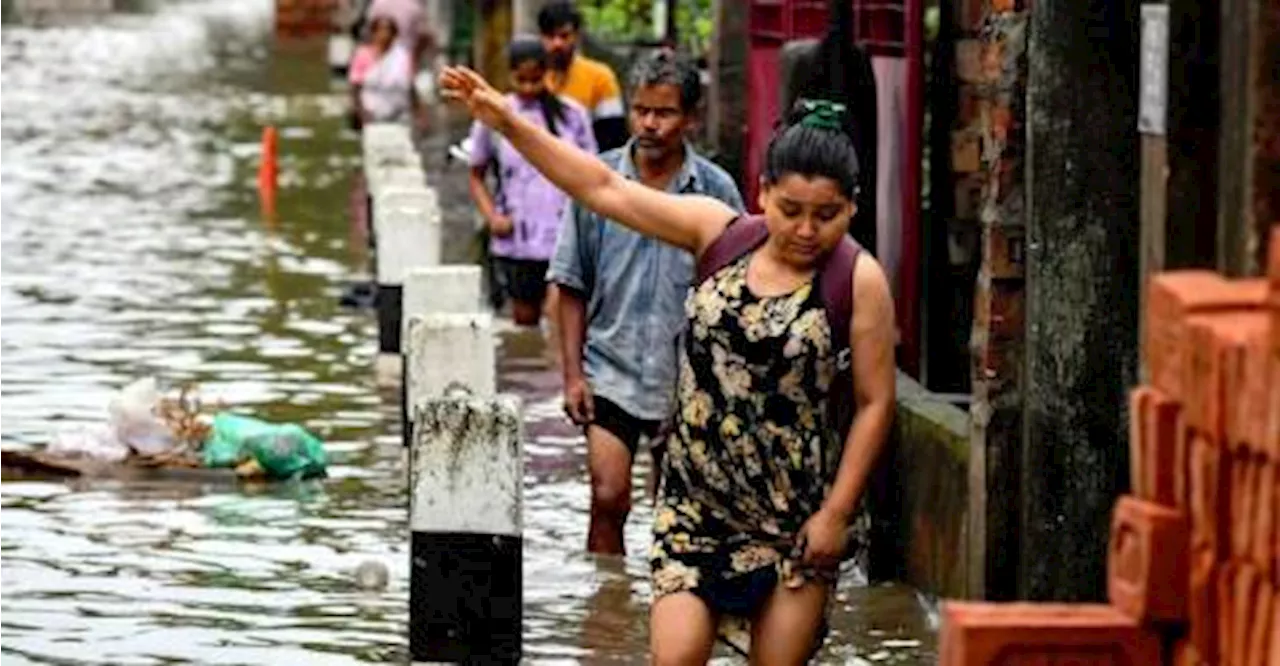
132 245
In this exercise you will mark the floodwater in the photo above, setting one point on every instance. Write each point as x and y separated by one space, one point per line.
132 245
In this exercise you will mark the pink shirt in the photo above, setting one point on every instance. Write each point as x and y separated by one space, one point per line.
364 58
385 81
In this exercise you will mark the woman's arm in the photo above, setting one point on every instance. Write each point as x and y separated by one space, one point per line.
687 221
480 193
356 105
871 336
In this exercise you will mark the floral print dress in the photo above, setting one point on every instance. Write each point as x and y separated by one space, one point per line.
752 453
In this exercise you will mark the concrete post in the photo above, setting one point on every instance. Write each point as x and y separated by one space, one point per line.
427 291
406 226
382 134
466 577
1082 286
446 349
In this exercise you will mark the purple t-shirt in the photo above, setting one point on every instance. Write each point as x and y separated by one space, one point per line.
534 205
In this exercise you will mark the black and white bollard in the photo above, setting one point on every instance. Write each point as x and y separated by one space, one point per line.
378 138
433 290
387 147
465 586
407 228
393 187
447 349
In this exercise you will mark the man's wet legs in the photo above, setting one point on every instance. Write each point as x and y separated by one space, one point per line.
610 464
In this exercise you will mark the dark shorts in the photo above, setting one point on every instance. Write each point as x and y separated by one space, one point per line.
745 595
623 425
522 279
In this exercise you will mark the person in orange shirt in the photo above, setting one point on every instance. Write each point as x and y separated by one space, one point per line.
589 82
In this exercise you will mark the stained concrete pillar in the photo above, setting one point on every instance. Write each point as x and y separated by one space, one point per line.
406 225
1082 289
447 349
466 487
433 290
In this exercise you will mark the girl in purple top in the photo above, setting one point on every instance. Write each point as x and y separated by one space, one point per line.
524 214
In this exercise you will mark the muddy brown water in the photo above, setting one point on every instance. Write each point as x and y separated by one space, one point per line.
132 245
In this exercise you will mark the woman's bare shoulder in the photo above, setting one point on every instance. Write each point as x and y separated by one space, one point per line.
870 285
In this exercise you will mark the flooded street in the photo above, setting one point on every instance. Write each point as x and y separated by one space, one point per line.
132 245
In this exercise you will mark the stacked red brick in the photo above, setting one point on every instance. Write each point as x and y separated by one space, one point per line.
1206 450
1195 549
302 18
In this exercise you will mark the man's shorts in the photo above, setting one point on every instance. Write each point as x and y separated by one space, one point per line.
622 425
523 280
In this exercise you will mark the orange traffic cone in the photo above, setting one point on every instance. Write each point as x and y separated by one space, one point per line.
268 170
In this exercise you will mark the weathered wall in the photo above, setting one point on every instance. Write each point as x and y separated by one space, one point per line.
988 152
921 497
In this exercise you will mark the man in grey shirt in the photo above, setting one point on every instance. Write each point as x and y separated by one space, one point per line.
622 295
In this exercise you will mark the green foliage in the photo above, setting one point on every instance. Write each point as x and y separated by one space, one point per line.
625 21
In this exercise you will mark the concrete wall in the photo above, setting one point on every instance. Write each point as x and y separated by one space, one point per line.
921 497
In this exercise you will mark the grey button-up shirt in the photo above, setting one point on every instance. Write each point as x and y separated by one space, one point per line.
635 289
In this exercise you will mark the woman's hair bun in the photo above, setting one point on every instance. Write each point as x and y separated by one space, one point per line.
819 114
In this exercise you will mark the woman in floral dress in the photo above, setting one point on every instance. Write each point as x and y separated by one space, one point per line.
759 487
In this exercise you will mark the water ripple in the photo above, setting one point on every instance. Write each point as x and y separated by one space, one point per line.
132 245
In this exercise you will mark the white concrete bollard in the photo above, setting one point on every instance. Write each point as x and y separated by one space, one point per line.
451 289
378 137
466 494
446 349
407 235
396 175
427 291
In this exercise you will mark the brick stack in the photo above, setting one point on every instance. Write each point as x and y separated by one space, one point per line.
1194 557
304 18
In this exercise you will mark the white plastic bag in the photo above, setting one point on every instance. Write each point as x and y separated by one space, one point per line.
95 442
133 417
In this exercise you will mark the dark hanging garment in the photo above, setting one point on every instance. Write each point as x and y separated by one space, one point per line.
841 72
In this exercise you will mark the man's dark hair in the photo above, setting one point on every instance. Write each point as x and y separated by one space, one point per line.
556 15
666 67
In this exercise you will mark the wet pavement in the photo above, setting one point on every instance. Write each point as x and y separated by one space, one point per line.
132 244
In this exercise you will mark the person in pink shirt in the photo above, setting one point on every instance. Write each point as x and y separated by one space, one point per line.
410 23
381 76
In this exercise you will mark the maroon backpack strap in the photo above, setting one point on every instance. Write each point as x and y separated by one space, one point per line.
743 234
836 285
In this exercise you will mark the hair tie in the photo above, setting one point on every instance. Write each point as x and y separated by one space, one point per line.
822 114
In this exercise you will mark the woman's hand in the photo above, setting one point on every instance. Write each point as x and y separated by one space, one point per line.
461 85
824 539
500 226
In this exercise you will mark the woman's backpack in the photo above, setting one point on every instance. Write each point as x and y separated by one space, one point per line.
835 283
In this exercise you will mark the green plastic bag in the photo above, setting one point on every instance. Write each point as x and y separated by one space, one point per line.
283 451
